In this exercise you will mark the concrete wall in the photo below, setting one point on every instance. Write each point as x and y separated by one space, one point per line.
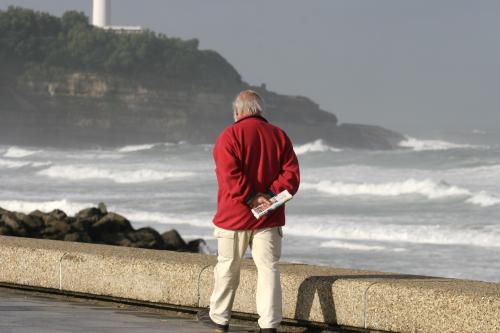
356 298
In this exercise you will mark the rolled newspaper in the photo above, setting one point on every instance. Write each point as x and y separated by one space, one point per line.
276 201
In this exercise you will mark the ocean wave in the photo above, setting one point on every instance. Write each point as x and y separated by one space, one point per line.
352 246
9 164
73 172
317 146
427 188
133 148
429 145
346 234
484 199
400 233
198 220
68 207
16 152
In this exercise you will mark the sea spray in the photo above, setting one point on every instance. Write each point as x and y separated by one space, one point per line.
317 146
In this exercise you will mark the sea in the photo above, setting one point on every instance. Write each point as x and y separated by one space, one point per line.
430 207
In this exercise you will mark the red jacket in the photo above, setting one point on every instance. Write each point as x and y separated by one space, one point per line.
252 156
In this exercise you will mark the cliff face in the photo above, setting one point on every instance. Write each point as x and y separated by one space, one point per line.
65 82
82 108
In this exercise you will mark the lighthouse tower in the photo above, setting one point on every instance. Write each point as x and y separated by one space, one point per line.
101 13
101 17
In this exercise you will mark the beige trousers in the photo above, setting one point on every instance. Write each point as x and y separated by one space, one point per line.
266 252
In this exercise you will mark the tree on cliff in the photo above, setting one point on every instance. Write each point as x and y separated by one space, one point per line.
70 42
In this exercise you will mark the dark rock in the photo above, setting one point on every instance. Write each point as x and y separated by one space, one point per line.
197 246
89 213
72 237
31 223
146 238
111 223
39 214
116 238
17 227
56 229
44 216
92 225
102 207
2 212
78 237
70 220
5 230
58 214
174 241
82 225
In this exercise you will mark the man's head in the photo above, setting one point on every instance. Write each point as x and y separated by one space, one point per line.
247 103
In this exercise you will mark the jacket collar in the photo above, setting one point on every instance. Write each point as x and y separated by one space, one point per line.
254 116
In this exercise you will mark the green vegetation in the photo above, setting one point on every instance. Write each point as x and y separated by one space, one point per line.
71 43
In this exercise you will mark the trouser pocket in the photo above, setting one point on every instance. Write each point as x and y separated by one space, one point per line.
267 243
225 242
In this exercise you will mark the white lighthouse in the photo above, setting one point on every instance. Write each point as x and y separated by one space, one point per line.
101 17
101 13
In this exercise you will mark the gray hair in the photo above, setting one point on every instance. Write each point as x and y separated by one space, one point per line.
248 102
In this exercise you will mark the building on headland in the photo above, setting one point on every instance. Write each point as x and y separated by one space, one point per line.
101 17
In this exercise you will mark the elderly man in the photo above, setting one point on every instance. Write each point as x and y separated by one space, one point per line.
254 161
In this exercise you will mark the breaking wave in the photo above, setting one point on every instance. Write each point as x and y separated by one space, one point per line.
68 207
132 148
9 164
317 146
484 199
356 246
405 233
147 146
427 188
72 172
429 145
346 234
16 152
197 220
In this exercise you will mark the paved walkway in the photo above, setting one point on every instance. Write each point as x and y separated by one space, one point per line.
28 312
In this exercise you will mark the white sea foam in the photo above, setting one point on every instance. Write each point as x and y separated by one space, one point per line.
360 230
68 207
133 148
427 145
427 188
347 234
197 220
10 164
16 152
352 246
317 146
73 172
484 199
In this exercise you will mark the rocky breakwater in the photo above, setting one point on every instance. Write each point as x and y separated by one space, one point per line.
93 225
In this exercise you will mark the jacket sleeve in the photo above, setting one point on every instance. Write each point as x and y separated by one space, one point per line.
289 176
229 173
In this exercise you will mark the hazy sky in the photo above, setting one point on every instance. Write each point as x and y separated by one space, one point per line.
406 65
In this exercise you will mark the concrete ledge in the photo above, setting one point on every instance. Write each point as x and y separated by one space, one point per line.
354 298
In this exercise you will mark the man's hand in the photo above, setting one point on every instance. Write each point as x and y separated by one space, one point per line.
260 199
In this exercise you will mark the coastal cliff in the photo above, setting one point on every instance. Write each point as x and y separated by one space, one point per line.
51 98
